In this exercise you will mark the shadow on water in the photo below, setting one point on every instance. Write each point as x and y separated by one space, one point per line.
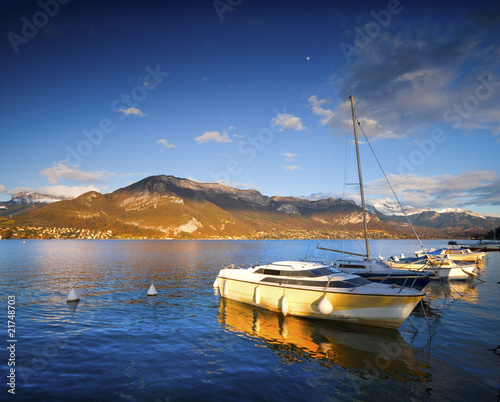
379 352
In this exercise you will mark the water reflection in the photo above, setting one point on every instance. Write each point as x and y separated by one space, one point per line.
466 291
376 351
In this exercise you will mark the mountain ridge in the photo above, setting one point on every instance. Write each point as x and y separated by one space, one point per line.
165 206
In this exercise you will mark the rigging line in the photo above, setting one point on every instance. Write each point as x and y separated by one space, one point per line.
392 189
428 321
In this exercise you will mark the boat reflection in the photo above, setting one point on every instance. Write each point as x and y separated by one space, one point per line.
465 291
379 352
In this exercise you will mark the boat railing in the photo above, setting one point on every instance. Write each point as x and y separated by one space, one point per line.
404 285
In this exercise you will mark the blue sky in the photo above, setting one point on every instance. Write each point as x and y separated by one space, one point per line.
253 94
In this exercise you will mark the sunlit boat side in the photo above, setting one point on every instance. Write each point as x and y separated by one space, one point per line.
314 290
439 268
454 253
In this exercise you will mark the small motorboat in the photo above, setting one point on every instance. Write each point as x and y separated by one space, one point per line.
315 290
455 254
482 245
438 267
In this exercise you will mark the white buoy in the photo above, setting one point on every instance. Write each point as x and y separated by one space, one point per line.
324 306
73 296
284 306
225 289
256 296
152 290
216 284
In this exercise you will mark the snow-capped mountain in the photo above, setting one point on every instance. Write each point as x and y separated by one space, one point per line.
391 208
24 198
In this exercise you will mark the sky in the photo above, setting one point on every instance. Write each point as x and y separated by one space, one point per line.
254 94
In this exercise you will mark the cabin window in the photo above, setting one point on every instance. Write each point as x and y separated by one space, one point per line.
351 266
268 271
324 271
300 273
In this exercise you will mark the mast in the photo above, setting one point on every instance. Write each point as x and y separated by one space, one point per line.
360 178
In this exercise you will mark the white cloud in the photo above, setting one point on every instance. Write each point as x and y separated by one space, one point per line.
133 111
165 143
318 110
2 188
242 186
375 130
408 83
62 171
289 168
287 121
289 156
323 196
213 136
442 191
58 190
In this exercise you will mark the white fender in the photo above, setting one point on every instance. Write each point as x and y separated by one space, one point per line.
216 284
225 289
324 306
256 296
284 305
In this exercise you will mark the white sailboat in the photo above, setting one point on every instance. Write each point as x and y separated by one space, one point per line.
362 264
314 290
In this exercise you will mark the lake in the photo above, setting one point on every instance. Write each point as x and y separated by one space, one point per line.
188 344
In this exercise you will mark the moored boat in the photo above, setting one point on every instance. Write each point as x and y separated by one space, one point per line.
362 264
439 268
314 290
482 245
454 253
379 271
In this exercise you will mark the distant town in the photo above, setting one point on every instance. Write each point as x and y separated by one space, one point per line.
91 234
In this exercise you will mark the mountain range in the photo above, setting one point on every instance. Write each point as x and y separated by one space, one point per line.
170 207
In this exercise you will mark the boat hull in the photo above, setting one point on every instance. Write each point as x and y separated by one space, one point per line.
445 273
458 255
388 311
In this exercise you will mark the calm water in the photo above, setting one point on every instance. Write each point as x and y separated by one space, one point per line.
188 344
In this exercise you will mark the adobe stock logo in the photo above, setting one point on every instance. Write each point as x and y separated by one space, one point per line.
131 99
221 7
456 114
30 27
364 37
